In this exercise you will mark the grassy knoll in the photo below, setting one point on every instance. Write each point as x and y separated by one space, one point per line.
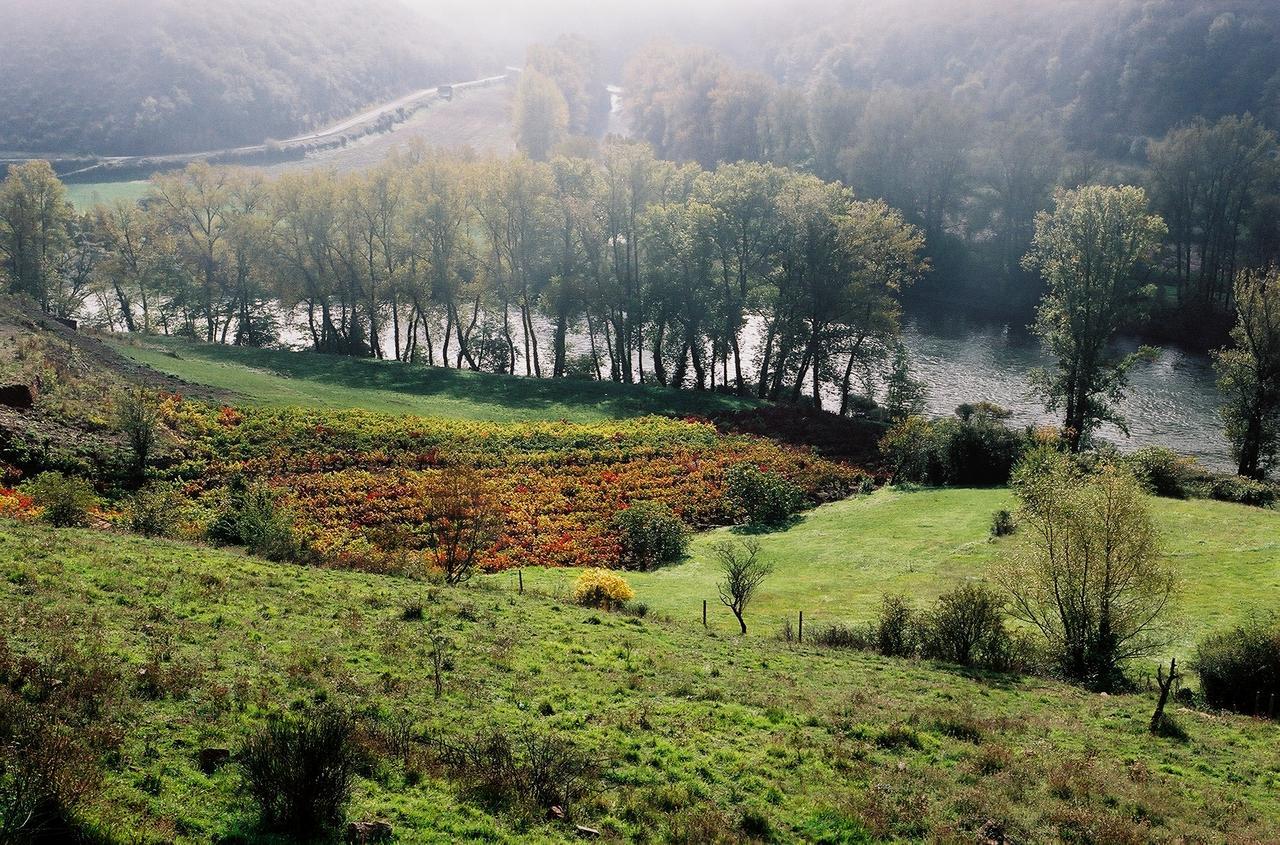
702 737
838 560
278 379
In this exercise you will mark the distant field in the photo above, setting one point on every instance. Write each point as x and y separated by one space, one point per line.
278 379
838 561
85 195
478 118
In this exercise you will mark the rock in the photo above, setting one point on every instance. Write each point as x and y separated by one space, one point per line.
588 832
212 759
374 830
17 395
555 813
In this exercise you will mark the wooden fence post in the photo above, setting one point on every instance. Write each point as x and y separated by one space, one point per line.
704 613
801 632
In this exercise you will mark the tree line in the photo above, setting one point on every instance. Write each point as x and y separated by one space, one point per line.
661 270
494 264
973 141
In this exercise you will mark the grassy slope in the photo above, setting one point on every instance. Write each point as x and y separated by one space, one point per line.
276 378
838 561
696 727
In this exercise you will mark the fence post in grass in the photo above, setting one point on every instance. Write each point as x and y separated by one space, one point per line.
800 633
520 575
704 613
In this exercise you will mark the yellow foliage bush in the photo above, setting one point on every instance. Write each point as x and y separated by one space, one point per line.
601 588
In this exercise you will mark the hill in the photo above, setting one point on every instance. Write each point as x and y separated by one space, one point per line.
127 77
696 737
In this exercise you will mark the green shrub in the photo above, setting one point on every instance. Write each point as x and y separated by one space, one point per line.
138 417
974 448
1163 471
967 626
521 767
862 638
256 520
1239 669
1003 523
896 633
299 771
766 498
649 534
155 511
1243 491
64 500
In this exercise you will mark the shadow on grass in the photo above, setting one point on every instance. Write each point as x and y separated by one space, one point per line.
756 529
514 393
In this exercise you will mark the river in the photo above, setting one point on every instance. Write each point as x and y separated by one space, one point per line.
966 358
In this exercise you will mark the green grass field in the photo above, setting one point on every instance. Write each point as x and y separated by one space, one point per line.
838 560
276 378
701 737
84 195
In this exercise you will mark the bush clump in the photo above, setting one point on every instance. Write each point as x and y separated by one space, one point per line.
1162 471
155 510
255 519
602 588
64 500
765 498
61 717
973 448
649 535
1003 523
299 770
1243 491
897 634
1240 669
532 770
967 626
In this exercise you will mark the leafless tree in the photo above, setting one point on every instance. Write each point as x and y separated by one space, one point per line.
742 573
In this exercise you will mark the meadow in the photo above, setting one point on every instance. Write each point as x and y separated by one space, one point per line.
837 561
699 737
282 379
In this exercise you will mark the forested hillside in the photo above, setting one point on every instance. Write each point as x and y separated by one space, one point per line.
156 76
966 115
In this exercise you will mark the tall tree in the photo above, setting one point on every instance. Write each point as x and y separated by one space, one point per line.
35 232
1089 249
1249 374
541 115
1207 180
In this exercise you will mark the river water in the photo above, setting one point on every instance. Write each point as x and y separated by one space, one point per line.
966 358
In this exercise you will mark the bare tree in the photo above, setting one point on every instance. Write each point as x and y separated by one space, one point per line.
464 522
743 572
1087 570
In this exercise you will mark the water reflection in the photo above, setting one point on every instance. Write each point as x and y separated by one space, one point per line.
965 358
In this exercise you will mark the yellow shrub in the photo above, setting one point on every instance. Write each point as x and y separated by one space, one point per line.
602 588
